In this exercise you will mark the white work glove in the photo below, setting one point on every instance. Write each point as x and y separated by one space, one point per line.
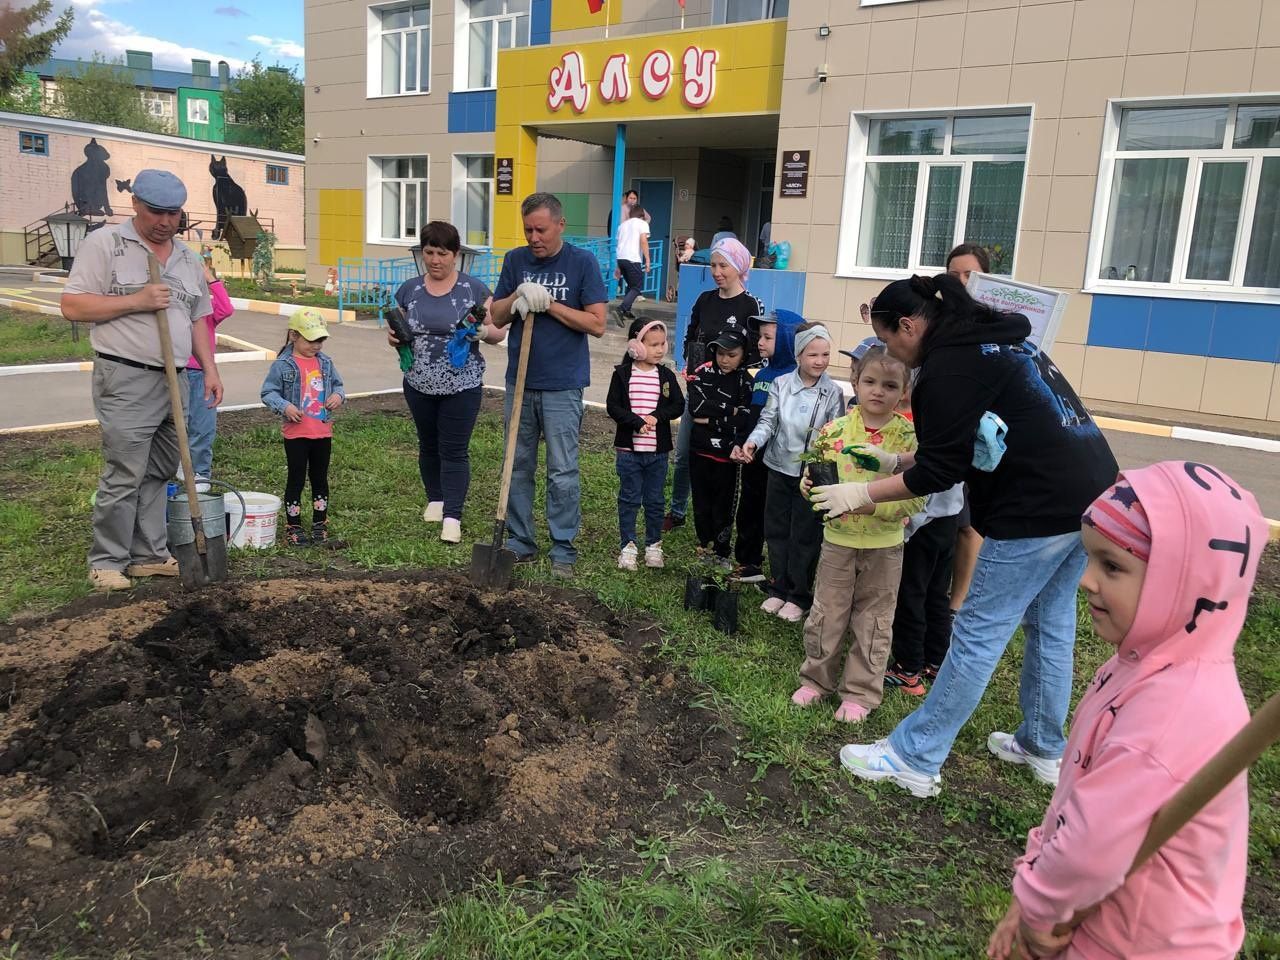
839 498
873 458
521 306
536 296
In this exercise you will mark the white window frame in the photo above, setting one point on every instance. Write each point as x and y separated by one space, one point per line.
462 21
1179 288
158 104
855 183
720 12
460 182
373 199
373 58
198 102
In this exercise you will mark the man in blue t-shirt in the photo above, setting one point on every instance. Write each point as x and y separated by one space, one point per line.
564 290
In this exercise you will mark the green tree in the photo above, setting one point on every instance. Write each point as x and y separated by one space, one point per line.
103 92
20 47
267 104
23 96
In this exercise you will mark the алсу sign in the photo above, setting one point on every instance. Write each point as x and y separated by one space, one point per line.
567 82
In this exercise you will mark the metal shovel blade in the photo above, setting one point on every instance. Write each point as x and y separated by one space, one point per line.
197 569
492 567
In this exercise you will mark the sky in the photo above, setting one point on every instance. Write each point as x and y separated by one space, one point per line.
176 31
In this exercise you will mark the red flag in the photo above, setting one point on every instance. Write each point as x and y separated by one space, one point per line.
681 2
595 6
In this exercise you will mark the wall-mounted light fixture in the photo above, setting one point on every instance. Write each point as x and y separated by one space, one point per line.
824 31
823 73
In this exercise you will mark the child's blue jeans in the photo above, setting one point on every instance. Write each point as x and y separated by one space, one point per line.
642 482
202 424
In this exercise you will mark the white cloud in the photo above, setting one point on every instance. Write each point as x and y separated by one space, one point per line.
281 48
94 31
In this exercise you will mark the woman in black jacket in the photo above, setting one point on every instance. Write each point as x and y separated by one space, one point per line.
1026 501
644 397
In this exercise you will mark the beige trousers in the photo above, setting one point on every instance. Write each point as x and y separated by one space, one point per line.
856 590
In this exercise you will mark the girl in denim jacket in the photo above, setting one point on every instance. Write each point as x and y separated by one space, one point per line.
304 387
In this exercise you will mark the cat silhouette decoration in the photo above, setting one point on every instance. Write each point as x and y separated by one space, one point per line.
89 182
228 196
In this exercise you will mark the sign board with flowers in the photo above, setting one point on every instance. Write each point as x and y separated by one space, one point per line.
1042 306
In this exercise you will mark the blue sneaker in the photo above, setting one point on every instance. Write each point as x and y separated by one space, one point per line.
879 761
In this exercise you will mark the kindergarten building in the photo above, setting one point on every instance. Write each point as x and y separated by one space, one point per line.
1126 152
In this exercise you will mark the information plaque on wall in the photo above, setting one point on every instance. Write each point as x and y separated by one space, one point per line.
795 173
506 176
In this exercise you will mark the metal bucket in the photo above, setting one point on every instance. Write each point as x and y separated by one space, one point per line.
213 513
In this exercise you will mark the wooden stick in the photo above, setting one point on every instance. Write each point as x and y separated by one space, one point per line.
513 425
179 418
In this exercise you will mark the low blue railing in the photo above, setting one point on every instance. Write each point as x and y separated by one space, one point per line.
371 283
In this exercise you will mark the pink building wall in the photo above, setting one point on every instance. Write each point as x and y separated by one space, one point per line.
32 187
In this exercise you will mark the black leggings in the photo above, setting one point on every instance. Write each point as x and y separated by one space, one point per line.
307 455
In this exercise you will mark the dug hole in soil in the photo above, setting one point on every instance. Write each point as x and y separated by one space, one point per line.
259 763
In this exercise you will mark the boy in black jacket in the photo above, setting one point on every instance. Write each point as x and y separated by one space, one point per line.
644 397
720 405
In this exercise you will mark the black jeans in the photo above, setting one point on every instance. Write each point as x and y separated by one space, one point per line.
922 623
714 483
749 548
633 274
304 456
794 534
444 427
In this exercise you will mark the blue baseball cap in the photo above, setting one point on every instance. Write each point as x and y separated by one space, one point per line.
159 189
860 350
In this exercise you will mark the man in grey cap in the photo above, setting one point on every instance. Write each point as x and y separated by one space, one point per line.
110 288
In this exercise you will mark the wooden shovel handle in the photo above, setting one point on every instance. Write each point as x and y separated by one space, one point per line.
513 424
175 405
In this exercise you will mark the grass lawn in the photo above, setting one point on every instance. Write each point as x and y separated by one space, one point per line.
38 338
848 871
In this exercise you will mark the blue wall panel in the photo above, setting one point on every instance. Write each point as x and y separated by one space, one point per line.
779 289
1197 328
540 23
472 111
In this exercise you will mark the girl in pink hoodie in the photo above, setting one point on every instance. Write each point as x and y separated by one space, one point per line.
202 420
1173 550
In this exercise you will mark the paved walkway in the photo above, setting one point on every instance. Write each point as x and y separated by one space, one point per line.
368 364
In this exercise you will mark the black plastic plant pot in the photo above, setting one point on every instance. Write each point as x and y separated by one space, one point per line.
699 593
823 474
726 612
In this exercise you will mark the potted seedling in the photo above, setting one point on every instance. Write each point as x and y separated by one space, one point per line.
819 460
724 615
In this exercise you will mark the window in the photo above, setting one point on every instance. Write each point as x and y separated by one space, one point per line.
491 25
740 11
919 185
1192 199
36 144
158 104
401 35
399 190
197 111
278 175
473 199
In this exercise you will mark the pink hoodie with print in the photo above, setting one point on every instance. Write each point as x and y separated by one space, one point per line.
222 308
1152 716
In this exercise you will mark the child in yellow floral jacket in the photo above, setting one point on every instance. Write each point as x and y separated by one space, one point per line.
861 562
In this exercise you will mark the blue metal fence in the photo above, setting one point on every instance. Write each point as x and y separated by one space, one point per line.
371 283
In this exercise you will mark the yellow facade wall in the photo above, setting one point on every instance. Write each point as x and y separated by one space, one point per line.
748 82
576 15
340 225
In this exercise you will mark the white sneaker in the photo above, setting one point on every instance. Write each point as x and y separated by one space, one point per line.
434 512
791 613
1006 747
879 761
451 532
772 605
653 556
202 484
627 558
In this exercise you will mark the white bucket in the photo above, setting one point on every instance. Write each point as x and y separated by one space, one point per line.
259 528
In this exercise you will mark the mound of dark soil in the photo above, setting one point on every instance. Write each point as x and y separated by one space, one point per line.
260 763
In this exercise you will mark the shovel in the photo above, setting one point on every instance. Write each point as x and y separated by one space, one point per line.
204 560
492 565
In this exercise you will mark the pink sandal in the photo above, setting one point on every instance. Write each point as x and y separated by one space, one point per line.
806 697
850 712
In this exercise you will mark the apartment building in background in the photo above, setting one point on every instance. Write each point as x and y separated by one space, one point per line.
1126 152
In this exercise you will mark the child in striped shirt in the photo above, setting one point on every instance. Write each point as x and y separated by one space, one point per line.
644 397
